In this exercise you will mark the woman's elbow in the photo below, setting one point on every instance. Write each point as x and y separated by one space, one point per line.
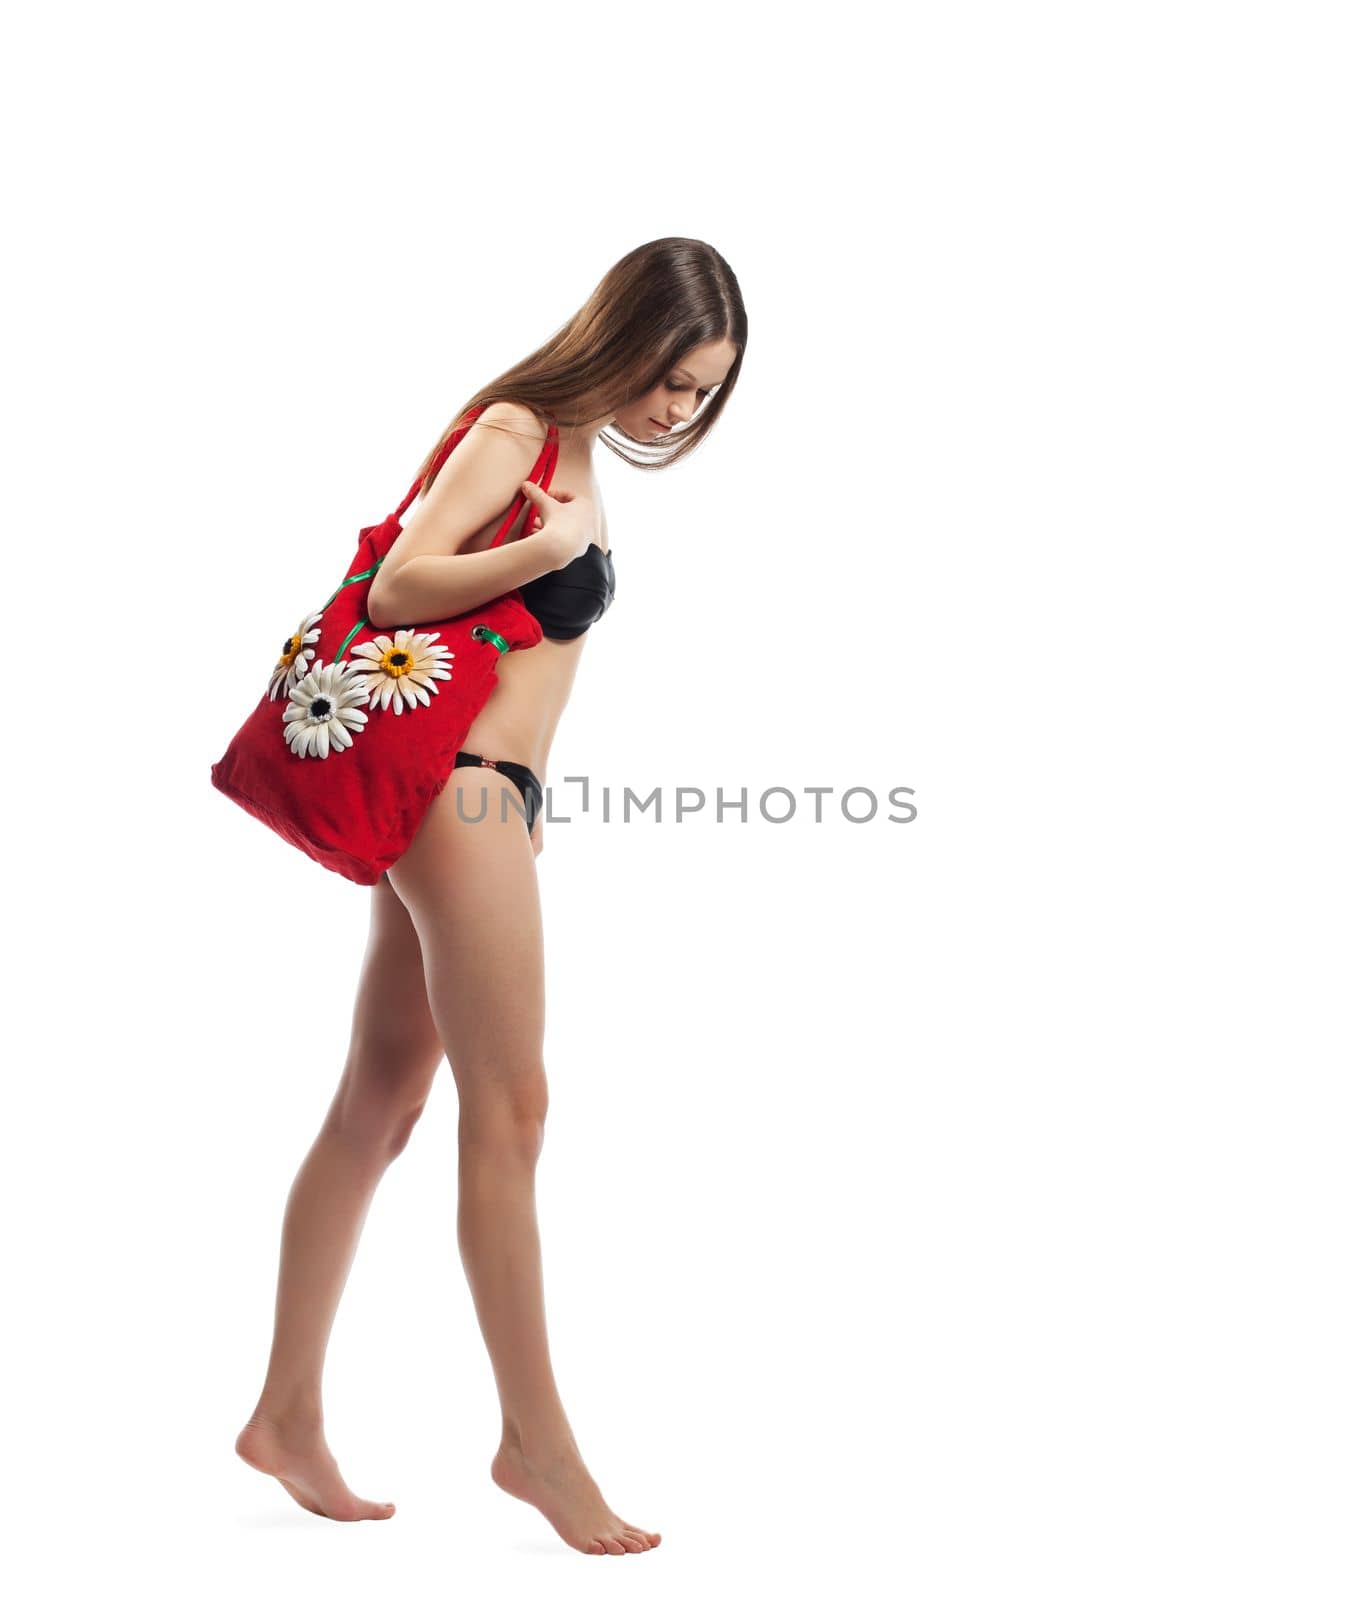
379 603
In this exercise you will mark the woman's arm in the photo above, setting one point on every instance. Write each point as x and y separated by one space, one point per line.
431 588
427 575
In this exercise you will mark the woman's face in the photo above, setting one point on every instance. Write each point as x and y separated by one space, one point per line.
684 387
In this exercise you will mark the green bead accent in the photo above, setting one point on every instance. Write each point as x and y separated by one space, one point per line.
347 640
360 577
481 632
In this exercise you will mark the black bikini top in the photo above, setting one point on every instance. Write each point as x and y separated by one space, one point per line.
568 601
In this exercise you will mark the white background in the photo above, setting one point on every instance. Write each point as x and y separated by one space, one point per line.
967 1208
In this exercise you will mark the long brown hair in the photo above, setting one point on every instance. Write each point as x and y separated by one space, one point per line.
651 308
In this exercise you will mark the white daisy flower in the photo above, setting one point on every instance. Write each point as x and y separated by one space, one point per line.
402 670
324 710
296 656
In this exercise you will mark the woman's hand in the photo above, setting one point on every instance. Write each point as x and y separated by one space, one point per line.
563 524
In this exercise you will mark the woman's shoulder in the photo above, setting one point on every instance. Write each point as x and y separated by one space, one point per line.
511 416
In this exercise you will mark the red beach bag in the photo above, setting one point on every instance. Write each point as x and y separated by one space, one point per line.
358 727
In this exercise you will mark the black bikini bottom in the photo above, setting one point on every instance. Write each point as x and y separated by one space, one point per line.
526 780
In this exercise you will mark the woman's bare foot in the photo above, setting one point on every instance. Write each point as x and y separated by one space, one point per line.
298 1456
563 1492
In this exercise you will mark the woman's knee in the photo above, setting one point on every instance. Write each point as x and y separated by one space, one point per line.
505 1114
378 1105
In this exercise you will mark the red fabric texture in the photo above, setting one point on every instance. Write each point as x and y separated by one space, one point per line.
355 807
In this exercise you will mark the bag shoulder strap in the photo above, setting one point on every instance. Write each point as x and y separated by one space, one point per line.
540 474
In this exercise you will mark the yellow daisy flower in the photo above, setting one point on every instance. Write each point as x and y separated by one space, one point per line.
401 671
296 656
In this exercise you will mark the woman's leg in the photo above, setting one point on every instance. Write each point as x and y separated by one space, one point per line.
469 881
392 1060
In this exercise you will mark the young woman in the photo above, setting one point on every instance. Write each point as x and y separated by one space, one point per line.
454 964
